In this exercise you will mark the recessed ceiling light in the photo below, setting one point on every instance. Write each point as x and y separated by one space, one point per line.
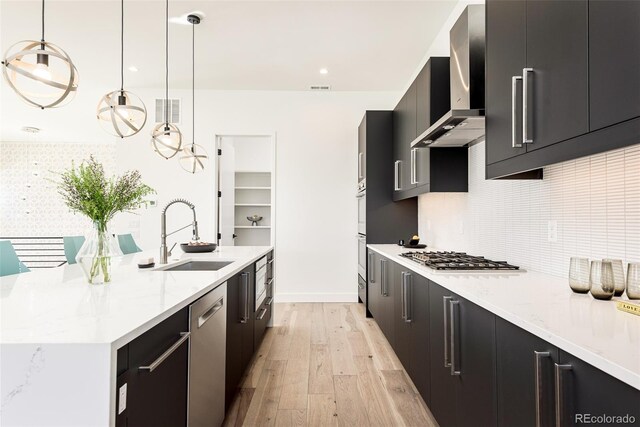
133 69
324 71
30 129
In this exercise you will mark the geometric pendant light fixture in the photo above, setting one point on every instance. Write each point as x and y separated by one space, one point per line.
41 73
166 137
121 113
193 157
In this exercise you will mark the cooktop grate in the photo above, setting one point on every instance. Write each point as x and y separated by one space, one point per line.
456 261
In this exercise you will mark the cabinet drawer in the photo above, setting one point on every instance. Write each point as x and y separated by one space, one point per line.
262 317
150 345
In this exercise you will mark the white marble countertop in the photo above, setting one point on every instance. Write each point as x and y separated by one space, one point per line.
59 306
593 330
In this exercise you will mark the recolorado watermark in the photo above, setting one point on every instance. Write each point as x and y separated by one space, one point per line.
604 419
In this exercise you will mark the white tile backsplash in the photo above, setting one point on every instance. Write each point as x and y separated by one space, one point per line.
594 203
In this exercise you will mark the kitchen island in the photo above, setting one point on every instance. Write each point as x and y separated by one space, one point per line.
59 336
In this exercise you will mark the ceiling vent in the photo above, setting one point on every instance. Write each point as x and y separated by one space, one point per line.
320 87
173 113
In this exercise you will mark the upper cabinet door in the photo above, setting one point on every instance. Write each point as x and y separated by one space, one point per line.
398 132
614 62
556 90
409 124
505 59
362 149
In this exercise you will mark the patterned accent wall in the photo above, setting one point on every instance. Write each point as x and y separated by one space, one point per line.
29 203
593 202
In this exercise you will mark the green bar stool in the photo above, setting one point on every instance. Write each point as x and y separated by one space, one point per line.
127 244
72 245
9 262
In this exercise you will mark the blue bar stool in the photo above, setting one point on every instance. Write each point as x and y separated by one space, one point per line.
127 244
72 245
9 262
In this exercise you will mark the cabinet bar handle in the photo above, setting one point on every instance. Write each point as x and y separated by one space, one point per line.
527 134
269 300
370 277
454 312
407 283
360 165
402 302
414 180
516 141
210 312
560 389
540 356
396 177
260 316
184 336
383 277
447 331
245 301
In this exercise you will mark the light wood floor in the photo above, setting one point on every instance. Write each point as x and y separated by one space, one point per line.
325 364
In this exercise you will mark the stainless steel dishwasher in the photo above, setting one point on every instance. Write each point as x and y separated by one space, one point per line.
208 326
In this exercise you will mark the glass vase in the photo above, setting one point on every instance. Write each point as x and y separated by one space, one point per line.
96 254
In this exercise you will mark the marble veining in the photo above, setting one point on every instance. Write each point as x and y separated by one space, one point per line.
36 364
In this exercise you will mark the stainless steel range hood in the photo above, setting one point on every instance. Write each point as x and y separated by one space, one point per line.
464 123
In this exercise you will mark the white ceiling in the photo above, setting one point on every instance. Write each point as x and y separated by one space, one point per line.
257 45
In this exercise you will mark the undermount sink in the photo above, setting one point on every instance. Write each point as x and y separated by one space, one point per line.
199 266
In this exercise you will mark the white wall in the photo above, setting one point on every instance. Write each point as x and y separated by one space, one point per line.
594 201
316 173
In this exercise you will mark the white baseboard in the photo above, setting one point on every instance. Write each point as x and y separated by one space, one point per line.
316 297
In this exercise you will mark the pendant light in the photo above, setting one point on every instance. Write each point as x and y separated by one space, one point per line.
121 113
166 137
41 73
193 156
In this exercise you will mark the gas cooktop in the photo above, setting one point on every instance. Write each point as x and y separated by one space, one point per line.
456 261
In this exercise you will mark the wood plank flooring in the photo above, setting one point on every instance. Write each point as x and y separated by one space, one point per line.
326 364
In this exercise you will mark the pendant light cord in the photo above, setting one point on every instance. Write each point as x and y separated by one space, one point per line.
42 39
193 84
166 66
121 45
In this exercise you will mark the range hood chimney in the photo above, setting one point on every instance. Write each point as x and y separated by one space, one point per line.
464 123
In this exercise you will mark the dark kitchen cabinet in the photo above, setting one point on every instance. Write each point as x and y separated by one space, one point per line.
262 317
558 83
411 326
240 329
574 94
614 62
386 220
521 357
423 170
505 59
433 93
381 293
156 386
583 389
362 149
463 377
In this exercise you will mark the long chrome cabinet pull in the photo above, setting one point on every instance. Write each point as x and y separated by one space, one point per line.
184 336
260 316
245 299
540 357
414 180
454 312
210 312
407 283
447 331
527 134
516 140
370 277
396 177
383 278
360 165
402 305
560 386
